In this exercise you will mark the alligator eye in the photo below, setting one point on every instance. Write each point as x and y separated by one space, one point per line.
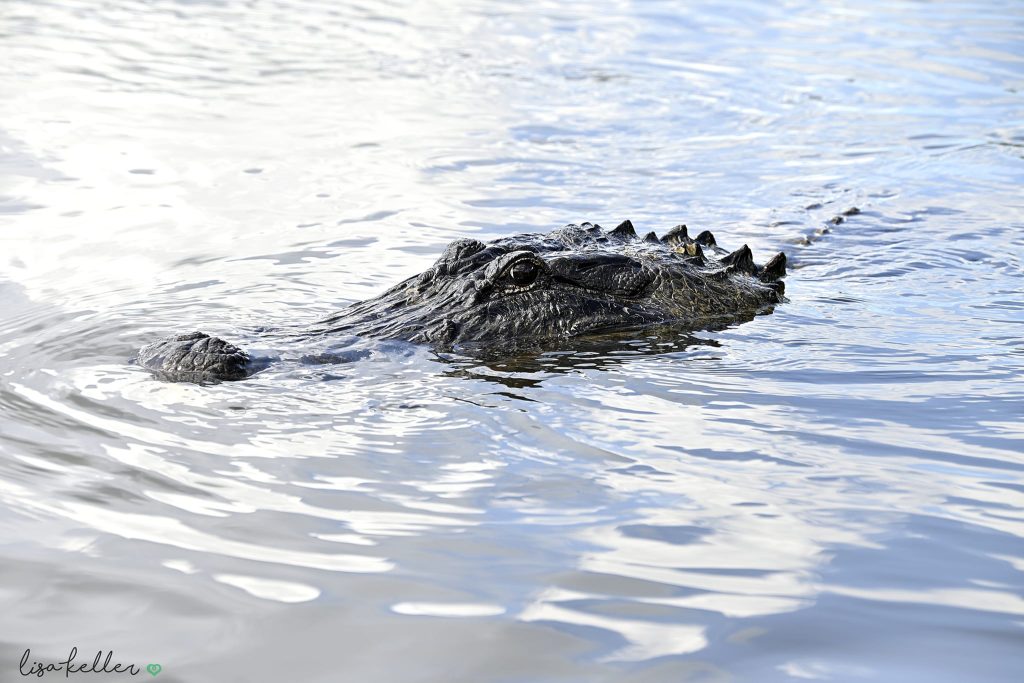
523 273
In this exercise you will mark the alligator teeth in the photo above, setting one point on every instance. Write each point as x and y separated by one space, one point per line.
742 260
774 269
676 235
706 238
624 231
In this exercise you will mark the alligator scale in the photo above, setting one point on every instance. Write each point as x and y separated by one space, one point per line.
576 280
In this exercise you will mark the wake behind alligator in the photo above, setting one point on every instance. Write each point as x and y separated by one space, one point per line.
532 288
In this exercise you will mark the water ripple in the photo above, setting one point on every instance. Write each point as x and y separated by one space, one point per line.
831 490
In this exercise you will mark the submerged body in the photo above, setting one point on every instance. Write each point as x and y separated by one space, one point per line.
575 280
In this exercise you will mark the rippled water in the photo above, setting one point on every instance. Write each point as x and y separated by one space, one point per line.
833 491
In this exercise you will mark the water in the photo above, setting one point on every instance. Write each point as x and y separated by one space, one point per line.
833 491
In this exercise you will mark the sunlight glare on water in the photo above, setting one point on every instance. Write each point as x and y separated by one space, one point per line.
833 491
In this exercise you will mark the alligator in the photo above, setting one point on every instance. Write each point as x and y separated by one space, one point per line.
536 288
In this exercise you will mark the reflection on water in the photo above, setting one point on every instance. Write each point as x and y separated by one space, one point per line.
522 365
832 491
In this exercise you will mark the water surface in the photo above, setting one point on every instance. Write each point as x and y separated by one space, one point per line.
833 491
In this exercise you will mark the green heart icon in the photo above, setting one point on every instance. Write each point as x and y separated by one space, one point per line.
154 669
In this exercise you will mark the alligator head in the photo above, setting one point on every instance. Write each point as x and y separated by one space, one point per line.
576 280
528 289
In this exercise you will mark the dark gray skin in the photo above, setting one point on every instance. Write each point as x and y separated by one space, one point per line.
576 280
